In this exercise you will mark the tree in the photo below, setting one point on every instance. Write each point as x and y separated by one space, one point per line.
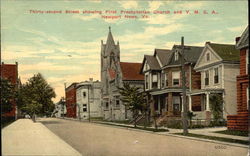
8 94
133 99
216 103
35 96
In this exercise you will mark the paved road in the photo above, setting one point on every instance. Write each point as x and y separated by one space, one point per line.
101 140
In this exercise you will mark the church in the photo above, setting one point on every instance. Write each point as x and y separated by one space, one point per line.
113 75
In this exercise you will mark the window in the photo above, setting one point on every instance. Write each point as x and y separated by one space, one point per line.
117 103
206 78
84 94
216 75
208 56
162 80
176 78
84 107
146 82
166 79
176 55
154 81
107 105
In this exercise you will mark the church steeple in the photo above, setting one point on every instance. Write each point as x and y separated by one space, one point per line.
110 39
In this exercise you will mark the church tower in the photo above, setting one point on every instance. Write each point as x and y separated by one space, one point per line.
110 58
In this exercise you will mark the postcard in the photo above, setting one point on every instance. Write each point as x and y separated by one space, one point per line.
104 78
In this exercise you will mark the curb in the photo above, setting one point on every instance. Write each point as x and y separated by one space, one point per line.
160 133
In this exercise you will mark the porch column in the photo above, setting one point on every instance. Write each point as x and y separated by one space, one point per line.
207 102
182 104
159 104
190 103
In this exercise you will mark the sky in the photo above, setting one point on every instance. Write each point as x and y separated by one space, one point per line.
65 47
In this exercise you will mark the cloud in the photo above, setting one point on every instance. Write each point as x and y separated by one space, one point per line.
154 5
87 17
47 66
129 4
237 29
45 36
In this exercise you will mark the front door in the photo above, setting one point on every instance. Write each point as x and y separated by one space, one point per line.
176 105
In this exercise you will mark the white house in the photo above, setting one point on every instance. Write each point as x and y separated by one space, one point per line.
88 99
219 66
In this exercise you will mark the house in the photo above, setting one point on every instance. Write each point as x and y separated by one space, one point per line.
218 65
60 109
10 72
71 100
163 80
88 99
240 121
113 75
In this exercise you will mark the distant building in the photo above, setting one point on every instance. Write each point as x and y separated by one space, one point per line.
71 100
60 109
241 120
10 72
88 99
113 75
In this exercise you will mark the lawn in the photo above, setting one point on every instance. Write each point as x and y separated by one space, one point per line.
141 128
216 138
231 132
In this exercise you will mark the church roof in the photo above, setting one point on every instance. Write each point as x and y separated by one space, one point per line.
131 71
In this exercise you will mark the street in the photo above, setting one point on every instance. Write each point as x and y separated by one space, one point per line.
101 140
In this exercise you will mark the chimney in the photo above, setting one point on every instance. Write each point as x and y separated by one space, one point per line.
90 79
237 39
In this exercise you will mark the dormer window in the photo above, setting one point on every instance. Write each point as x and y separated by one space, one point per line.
208 56
176 55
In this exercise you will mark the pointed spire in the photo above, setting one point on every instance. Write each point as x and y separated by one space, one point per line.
110 39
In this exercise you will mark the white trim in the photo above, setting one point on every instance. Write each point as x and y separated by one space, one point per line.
157 58
203 54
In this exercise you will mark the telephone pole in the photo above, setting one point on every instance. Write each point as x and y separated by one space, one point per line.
184 88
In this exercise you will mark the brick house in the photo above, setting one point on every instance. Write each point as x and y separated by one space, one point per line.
71 100
218 65
163 80
10 72
240 121
114 74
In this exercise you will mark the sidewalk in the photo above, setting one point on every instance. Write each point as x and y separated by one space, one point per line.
26 138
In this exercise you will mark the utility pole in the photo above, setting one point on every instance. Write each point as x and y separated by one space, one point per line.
184 116
65 98
88 103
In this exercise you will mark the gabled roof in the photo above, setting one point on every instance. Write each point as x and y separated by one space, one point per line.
163 55
131 71
244 40
227 52
152 62
191 54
